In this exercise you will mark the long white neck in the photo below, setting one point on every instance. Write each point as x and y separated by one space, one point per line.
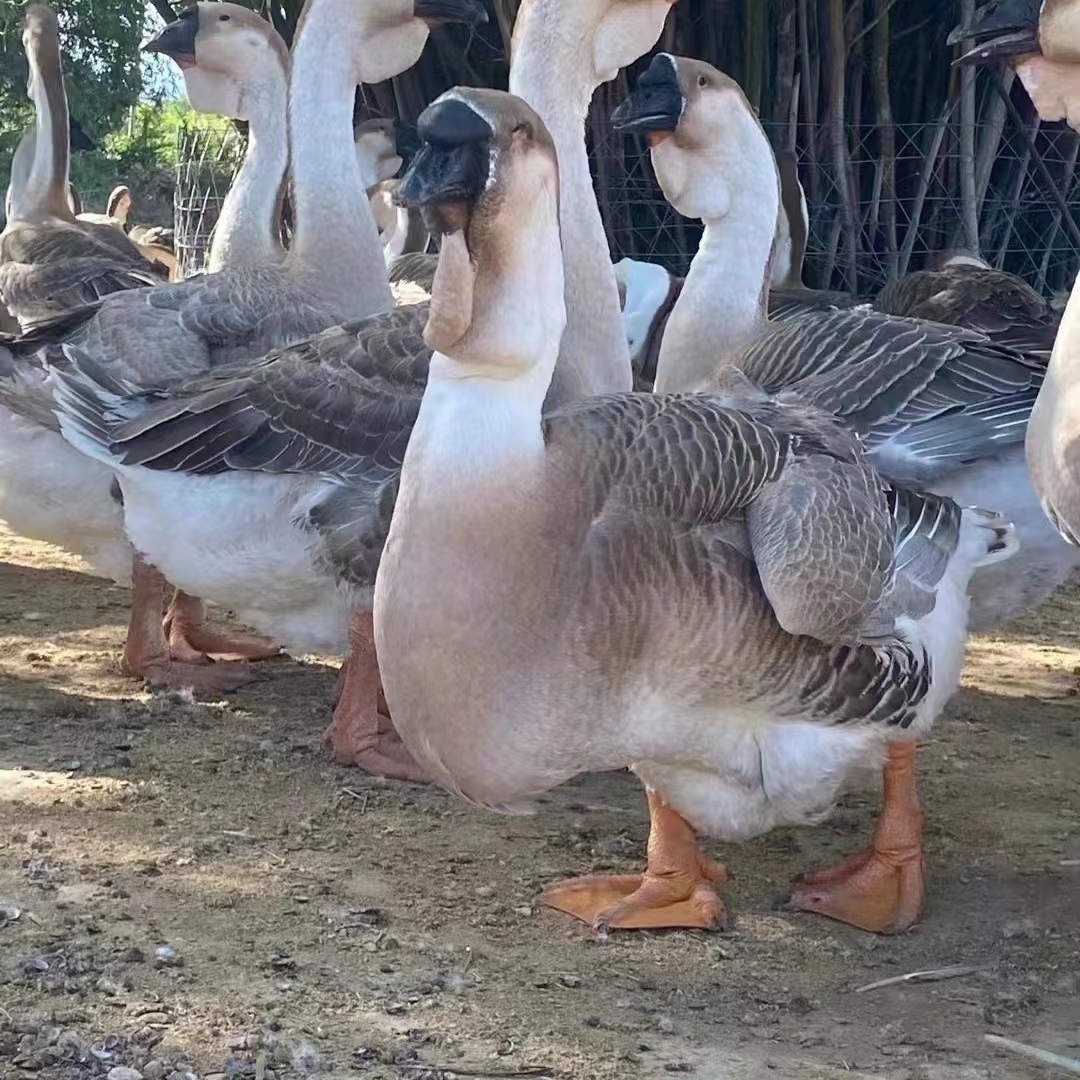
246 233
593 358
45 188
336 241
724 302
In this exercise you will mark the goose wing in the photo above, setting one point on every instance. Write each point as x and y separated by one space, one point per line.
1002 306
817 520
927 398
56 267
338 405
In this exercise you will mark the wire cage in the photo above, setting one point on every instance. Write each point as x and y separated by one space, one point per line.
208 158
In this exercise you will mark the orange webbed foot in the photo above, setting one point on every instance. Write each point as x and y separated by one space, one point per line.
192 641
677 891
880 889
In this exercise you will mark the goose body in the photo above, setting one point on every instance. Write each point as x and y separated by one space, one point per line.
715 590
1042 42
946 407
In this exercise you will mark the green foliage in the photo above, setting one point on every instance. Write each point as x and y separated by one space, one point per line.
100 41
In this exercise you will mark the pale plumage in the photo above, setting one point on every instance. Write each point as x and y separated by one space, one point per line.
716 590
939 405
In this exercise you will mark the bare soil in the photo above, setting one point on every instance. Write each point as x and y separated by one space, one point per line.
199 894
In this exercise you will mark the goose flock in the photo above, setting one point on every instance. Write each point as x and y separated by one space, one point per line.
750 581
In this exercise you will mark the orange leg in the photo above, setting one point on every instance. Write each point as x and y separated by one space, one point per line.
146 652
879 889
192 641
360 734
676 890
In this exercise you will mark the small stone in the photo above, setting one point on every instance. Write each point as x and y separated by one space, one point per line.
665 1025
396 1008
122 1072
485 892
166 956
154 1069
570 981
134 955
524 911
678 1067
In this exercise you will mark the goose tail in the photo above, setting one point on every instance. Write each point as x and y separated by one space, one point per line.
995 537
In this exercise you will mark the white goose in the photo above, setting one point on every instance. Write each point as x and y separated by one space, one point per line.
609 586
296 455
945 408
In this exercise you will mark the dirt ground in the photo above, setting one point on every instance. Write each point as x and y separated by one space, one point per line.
190 890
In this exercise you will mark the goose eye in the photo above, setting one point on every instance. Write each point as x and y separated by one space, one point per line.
524 128
703 80
224 18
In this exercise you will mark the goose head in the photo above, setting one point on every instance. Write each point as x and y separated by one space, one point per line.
230 57
388 36
707 144
40 38
1041 40
604 36
377 151
942 260
487 181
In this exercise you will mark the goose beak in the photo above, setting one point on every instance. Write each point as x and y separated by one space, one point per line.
177 40
439 12
657 103
450 172
1003 28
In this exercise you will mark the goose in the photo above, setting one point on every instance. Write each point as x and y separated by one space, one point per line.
1042 42
627 581
50 260
381 146
297 453
117 209
65 497
944 408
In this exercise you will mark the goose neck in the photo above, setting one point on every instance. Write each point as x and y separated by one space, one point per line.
336 241
594 358
45 192
246 232
724 301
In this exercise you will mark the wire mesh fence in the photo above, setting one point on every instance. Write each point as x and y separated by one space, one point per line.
1029 205
208 158
1029 201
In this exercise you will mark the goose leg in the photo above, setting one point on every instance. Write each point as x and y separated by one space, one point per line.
879 889
360 734
192 641
676 890
146 652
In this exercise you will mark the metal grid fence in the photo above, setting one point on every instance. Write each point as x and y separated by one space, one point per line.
1023 228
208 158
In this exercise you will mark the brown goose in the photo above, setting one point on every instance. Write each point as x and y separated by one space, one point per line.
293 456
1042 41
49 261
716 591
940 406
